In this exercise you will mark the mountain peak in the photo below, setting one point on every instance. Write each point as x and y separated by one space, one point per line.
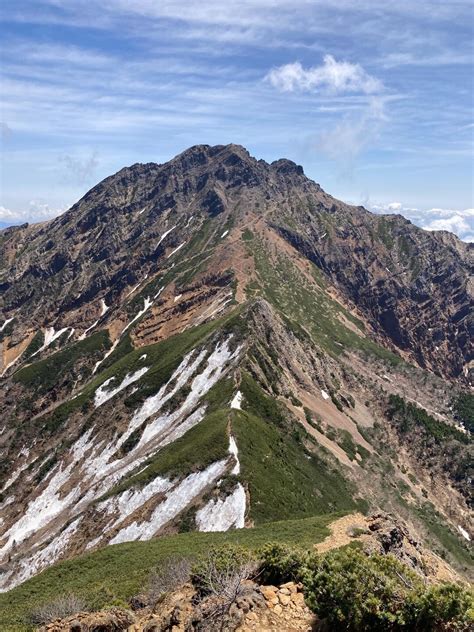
285 166
219 301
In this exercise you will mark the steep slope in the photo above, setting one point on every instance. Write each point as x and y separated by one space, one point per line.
216 343
412 286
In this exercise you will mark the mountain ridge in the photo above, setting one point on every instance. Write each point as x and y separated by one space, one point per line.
206 332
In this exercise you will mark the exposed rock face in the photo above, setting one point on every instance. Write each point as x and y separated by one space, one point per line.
131 324
411 285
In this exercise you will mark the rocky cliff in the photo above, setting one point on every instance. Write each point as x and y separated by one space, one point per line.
190 340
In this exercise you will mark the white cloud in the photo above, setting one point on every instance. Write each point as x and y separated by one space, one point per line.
333 76
37 211
459 222
394 206
361 126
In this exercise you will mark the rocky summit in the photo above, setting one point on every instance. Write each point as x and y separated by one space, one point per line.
216 344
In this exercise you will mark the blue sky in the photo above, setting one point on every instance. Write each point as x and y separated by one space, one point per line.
374 98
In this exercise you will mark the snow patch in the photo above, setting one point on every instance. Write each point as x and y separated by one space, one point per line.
325 395
49 503
201 383
50 335
39 560
176 500
158 293
143 357
147 304
167 232
8 320
133 289
130 500
221 515
93 543
103 309
176 298
15 476
234 451
103 395
226 232
464 533
237 401
86 331
176 250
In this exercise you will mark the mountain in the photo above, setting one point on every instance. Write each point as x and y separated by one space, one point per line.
216 342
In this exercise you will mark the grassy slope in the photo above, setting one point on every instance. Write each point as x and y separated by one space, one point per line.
307 304
284 479
42 375
121 571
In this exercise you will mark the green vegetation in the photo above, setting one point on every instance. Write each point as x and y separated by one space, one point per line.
346 588
442 534
247 235
353 591
164 357
45 468
284 479
35 345
346 442
120 571
305 304
463 406
408 417
44 374
359 593
205 443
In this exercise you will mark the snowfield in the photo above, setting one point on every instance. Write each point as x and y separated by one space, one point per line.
50 335
175 502
92 466
221 515
103 395
8 320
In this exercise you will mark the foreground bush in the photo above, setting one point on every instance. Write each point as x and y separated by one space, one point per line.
222 572
59 608
172 574
281 563
356 592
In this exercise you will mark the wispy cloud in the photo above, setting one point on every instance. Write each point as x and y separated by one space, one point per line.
360 124
354 133
142 80
80 170
334 76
